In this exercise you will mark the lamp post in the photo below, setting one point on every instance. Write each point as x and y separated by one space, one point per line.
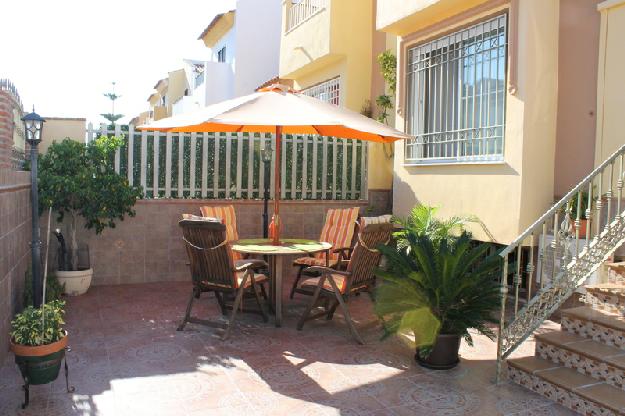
33 124
266 155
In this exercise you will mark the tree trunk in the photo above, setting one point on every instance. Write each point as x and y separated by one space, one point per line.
73 250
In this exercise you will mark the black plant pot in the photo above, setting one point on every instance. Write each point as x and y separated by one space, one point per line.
444 354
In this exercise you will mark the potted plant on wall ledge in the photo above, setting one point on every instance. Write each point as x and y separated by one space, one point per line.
437 289
38 341
79 180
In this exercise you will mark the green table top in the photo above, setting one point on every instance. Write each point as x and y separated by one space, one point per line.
288 246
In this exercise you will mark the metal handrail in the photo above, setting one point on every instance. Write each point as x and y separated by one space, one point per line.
599 169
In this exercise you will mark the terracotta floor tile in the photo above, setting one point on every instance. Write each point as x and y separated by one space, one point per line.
128 359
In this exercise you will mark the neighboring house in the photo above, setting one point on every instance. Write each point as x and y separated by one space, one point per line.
244 47
336 62
158 101
56 129
500 97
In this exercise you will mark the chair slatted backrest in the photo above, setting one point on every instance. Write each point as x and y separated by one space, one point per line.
209 252
227 215
338 229
366 256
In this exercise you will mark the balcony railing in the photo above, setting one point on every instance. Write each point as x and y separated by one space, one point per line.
303 10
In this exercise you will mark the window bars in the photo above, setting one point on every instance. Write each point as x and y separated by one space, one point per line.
328 91
455 96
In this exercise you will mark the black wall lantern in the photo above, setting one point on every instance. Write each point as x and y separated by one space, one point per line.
33 126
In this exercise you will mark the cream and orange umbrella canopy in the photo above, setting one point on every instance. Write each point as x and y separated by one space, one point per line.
279 110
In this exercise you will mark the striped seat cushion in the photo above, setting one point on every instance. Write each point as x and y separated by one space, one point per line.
338 230
340 280
229 218
313 261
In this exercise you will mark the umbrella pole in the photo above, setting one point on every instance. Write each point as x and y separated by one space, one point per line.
277 225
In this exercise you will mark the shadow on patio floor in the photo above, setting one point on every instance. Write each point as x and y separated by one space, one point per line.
128 359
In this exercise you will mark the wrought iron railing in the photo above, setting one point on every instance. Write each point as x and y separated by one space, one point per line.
559 252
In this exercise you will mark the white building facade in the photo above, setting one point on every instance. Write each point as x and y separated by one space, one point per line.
243 53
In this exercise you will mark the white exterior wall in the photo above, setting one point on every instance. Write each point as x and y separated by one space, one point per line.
258 29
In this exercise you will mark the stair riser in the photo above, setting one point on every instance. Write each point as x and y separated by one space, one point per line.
585 365
606 302
559 395
594 331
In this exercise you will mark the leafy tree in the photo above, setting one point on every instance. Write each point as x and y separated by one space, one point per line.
438 287
388 68
75 179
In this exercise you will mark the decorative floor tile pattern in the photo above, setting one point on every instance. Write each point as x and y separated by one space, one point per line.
128 359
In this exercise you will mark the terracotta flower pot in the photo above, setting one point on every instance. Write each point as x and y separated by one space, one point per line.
444 354
582 228
40 364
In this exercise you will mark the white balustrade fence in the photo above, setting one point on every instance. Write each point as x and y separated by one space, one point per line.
301 11
229 165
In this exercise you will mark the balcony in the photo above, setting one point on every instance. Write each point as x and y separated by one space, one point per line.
402 17
298 13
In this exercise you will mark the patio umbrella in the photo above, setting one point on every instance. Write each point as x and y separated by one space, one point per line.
279 110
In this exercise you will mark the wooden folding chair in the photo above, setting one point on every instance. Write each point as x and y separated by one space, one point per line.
213 269
337 230
336 286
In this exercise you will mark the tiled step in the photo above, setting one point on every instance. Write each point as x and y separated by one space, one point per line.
616 272
578 392
592 358
609 297
600 326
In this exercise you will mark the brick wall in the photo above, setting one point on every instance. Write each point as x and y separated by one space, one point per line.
7 104
148 247
15 229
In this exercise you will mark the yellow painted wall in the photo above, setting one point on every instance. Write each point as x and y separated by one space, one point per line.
325 47
58 128
177 84
506 196
611 85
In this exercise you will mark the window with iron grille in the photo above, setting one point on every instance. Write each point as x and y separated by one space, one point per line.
221 55
328 91
456 96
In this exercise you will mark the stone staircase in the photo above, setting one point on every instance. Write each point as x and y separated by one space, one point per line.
582 366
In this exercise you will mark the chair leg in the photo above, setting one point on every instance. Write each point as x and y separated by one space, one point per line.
263 293
222 303
297 279
258 301
311 304
235 307
346 313
187 315
331 311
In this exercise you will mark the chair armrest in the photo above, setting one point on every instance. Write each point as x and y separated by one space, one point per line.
251 264
326 270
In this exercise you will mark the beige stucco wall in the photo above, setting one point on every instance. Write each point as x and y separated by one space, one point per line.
177 84
58 128
323 48
506 196
610 85
578 53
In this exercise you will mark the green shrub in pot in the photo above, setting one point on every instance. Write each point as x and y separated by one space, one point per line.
438 289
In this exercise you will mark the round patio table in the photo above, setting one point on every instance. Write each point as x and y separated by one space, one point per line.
288 247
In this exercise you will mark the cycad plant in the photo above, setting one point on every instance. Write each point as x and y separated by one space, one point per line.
438 286
423 221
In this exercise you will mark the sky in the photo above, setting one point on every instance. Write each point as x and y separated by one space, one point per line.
63 55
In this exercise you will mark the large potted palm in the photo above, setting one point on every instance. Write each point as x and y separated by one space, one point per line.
437 289
78 180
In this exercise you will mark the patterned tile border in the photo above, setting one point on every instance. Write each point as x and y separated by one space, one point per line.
596 369
559 395
594 331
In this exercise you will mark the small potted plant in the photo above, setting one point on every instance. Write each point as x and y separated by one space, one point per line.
38 341
79 180
571 209
437 289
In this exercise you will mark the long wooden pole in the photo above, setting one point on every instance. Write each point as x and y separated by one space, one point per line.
277 225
